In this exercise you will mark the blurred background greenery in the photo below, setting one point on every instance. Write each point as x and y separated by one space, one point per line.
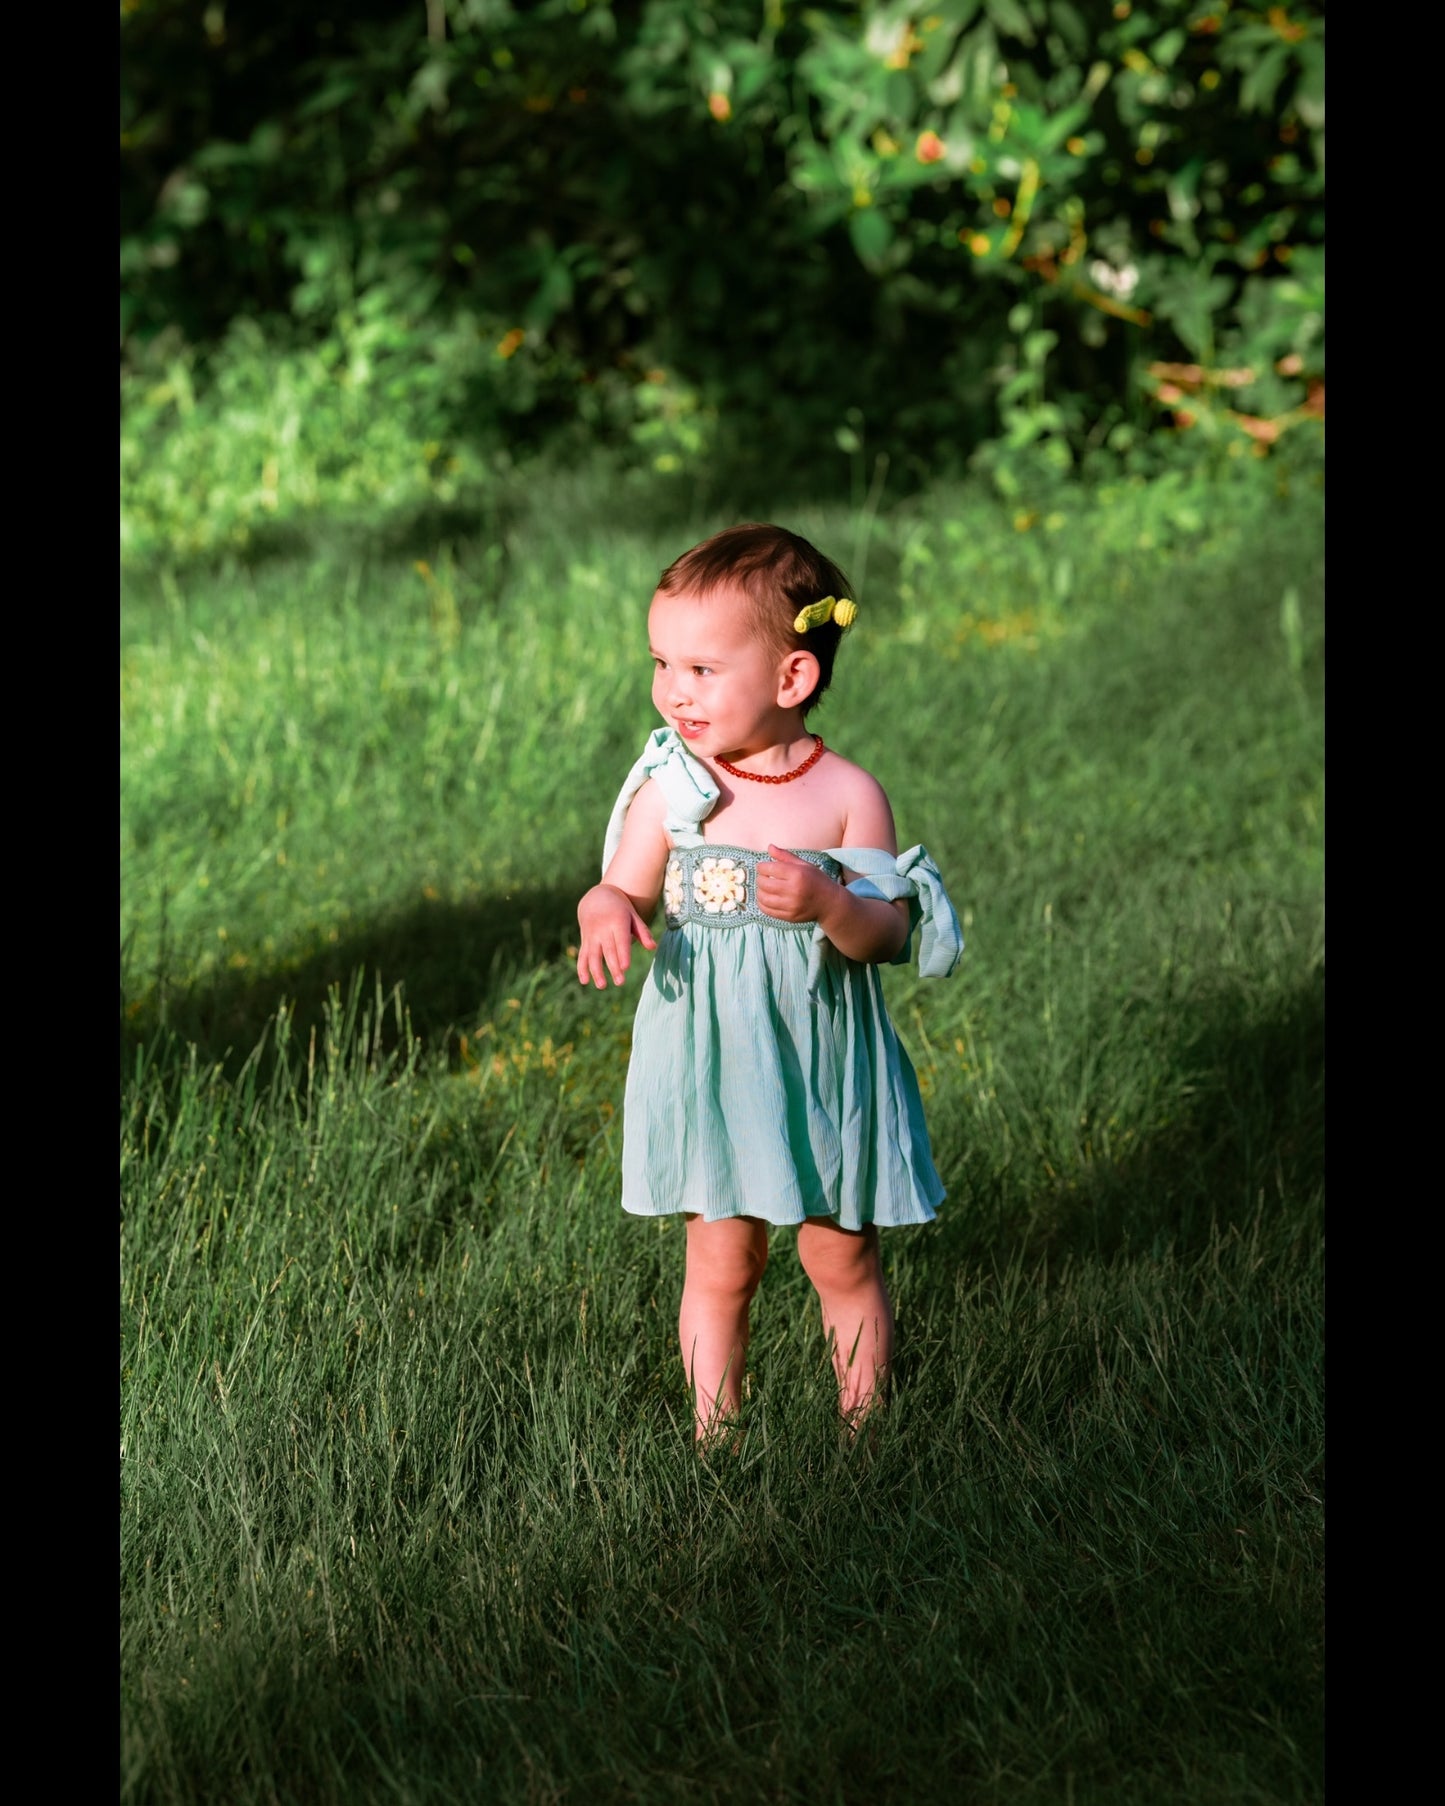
380 255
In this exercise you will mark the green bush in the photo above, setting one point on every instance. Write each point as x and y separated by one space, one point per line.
253 439
712 229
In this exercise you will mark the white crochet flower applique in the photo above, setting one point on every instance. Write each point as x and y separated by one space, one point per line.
720 886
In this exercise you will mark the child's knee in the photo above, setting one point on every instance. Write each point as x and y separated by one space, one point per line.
838 1258
727 1256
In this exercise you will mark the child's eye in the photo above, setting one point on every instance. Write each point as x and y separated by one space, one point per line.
702 670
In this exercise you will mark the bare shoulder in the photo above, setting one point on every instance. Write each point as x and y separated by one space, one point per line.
646 814
649 805
867 813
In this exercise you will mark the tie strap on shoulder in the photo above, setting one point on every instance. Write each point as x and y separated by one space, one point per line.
688 792
887 878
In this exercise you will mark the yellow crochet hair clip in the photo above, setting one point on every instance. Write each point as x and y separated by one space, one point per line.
831 608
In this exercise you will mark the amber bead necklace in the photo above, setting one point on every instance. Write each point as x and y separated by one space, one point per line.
765 777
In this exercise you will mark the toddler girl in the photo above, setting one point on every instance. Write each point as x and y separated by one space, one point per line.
766 1083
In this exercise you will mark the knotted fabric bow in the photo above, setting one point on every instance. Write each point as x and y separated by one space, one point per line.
913 875
687 790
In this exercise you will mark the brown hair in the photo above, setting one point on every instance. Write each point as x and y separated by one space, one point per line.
778 573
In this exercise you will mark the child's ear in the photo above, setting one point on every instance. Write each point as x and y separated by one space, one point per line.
797 678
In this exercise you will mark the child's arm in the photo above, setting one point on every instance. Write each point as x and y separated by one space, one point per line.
862 928
615 913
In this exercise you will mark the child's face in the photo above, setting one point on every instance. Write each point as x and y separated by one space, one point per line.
713 679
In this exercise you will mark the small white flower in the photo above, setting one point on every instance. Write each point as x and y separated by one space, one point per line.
720 886
672 888
1119 283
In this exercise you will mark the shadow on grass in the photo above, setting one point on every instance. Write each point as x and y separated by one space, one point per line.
402 534
449 960
1247 1140
484 519
603 497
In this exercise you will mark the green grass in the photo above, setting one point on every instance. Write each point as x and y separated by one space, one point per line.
410 1511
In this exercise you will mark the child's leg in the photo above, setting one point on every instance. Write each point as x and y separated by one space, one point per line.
847 1273
725 1261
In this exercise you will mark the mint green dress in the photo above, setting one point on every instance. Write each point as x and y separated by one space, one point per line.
766 1079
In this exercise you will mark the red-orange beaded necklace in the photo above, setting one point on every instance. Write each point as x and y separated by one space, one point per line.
766 777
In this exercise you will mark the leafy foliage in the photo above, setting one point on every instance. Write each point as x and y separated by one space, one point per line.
701 227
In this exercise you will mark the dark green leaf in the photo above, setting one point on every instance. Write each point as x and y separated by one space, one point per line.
871 232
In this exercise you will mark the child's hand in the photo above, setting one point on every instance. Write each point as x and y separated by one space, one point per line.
609 924
793 889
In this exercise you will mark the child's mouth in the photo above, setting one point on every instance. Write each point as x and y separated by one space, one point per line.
690 729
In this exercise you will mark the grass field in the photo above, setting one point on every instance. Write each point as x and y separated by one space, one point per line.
410 1510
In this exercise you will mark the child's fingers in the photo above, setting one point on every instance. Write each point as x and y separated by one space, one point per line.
608 931
775 875
783 856
597 961
785 895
